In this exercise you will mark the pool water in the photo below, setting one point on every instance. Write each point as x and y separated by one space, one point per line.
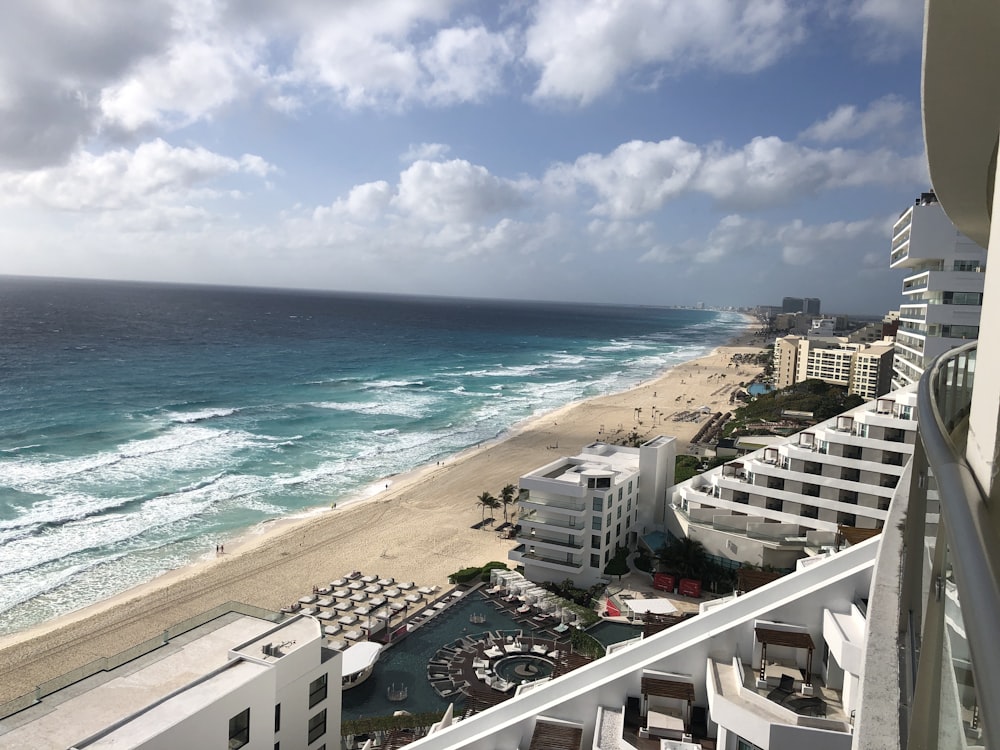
609 633
406 663
655 540
524 667
759 389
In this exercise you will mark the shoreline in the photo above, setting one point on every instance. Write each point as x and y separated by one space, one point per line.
426 511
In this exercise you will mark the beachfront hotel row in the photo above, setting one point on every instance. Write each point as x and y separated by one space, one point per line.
876 640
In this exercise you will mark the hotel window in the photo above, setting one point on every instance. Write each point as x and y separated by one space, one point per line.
607 537
317 726
628 506
317 690
618 530
610 497
607 556
598 504
595 561
239 730
595 541
277 718
628 521
621 491
595 523
630 488
619 511
609 519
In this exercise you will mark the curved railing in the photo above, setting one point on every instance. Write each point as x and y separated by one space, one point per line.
944 403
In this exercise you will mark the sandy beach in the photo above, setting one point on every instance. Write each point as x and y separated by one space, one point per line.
419 528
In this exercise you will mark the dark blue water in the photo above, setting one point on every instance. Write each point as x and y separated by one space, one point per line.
141 423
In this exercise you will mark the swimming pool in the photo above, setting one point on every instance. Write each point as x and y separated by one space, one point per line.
608 633
655 540
406 663
759 389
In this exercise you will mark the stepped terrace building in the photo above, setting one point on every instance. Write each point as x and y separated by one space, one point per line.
785 501
576 511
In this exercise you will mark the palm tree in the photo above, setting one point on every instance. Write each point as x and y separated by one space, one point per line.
485 500
685 557
492 504
507 498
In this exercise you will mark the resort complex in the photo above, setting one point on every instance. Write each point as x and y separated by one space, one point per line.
865 551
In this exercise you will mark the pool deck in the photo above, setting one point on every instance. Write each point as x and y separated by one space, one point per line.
468 663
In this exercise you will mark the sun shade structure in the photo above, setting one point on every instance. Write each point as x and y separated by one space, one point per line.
792 638
551 736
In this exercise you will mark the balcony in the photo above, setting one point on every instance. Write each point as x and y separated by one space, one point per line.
562 522
536 501
549 562
958 674
530 537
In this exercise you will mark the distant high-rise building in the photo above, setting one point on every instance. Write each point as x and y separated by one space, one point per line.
791 304
809 305
943 288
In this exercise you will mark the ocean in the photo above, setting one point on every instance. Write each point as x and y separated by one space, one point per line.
142 424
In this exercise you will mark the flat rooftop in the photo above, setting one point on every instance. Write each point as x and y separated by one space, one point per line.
281 640
84 708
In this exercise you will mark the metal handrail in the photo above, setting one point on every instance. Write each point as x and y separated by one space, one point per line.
973 542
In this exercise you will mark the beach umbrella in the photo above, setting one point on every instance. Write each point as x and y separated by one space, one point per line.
448 715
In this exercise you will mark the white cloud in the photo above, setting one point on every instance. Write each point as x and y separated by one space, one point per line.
849 123
640 177
454 191
381 58
881 30
153 173
796 243
195 78
364 202
635 178
583 48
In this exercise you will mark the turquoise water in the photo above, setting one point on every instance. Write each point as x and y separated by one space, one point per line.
140 425
759 389
655 540
406 663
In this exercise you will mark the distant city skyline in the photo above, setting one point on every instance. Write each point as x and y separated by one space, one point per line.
655 152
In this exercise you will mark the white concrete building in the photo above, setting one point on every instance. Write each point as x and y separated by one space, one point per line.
275 687
576 511
777 504
942 291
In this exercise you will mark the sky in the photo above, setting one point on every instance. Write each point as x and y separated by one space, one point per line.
663 152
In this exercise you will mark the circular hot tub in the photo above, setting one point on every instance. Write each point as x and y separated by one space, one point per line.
523 668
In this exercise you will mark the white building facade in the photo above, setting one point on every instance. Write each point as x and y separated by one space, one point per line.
943 288
278 689
577 511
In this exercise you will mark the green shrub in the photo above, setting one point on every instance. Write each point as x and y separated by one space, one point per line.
494 565
465 575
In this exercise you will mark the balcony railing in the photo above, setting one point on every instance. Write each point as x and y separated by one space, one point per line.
971 560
